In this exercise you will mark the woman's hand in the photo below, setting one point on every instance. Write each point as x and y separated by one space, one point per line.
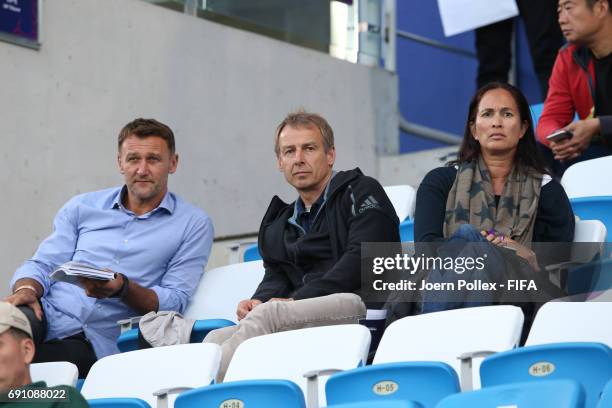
498 239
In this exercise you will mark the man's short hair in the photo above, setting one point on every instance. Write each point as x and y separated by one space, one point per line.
302 119
591 3
143 128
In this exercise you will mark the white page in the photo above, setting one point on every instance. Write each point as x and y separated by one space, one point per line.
459 16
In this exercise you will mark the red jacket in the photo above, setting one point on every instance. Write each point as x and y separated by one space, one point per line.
571 90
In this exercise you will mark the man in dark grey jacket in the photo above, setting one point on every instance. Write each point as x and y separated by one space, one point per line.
311 248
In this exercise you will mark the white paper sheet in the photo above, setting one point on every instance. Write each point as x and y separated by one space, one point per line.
459 16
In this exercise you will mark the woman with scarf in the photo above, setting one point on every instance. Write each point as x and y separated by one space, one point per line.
497 193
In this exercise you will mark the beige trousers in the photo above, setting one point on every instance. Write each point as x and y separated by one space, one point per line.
273 317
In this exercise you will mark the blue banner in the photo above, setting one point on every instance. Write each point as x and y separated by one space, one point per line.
19 18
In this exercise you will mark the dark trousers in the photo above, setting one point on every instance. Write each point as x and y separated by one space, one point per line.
493 43
75 349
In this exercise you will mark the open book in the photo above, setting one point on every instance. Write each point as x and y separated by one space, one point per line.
71 271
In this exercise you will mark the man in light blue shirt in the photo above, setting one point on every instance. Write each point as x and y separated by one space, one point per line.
156 243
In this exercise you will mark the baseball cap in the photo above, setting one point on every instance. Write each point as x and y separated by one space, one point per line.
10 316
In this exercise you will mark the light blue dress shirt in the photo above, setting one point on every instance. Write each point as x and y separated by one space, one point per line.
164 250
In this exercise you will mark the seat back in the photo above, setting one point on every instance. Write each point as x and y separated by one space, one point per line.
558 394
588 178
406 228
403 198
138 374
55 373
289 355
380 404
425 383
606 396
572 322
251 253
221 289
444 336
252 394
117 403
536 112
590 231
589 364
594 208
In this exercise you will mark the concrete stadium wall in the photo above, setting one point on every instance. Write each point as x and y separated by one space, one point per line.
222 90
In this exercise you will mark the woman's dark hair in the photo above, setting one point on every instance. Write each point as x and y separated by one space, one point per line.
527 152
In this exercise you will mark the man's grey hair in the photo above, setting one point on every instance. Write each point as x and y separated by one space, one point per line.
303 119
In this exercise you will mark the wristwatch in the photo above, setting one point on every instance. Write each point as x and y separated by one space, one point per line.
123 289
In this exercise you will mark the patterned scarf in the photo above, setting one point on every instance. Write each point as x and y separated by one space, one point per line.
471 200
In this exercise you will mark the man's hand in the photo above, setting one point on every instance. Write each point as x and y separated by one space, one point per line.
245 306
583 131
26 297
100 289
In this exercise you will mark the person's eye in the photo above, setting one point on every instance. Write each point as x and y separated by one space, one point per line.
485 114
508 114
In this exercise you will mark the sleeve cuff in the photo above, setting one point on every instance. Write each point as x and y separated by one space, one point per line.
30 273
605 126
170 300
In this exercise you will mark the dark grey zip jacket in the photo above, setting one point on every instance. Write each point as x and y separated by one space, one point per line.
327 259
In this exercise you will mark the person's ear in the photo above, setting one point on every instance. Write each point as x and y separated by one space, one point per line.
27 350
119 164
602 8
174 158
331 156
280 162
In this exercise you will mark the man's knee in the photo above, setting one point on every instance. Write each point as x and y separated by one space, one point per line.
276 316
351 302
218 336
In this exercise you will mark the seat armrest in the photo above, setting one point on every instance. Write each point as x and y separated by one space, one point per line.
128 324
312 385
466 367
162 395
556 273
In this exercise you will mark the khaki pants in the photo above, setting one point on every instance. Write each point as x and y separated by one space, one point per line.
273 317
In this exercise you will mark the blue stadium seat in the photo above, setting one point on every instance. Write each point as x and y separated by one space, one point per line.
251 394
606 396
251 254
592 277
425 383
595 208
536 112
212 305
379 404
589 364
128 341
557 394
407 231
117 403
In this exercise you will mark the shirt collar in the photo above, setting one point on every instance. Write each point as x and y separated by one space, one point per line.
299 208
167 203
